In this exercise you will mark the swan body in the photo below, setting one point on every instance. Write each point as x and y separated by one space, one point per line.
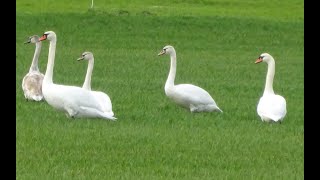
188 96
102 97
271 107
75 101
32 81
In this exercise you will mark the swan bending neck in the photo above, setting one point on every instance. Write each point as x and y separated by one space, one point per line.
50 65
34 65
269 79
172 72
87 81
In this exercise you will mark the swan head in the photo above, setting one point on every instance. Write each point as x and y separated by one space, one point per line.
50 35
264 57
86 56
33 39
167 50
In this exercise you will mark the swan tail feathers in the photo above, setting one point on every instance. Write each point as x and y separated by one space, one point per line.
219 109
107 116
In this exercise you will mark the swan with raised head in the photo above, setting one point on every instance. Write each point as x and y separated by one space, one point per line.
32 81
271 107
186 95
102 97
75 101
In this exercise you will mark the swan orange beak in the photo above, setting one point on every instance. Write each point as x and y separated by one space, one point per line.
161 53
43 37
259 60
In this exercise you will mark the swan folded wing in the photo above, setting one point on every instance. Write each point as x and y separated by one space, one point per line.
104 101
193 94
32 81
280 109
273 107
76 101
31 85
72 96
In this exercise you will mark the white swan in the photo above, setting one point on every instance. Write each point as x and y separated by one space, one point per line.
32 81
102 97
271 107
186 95
74 101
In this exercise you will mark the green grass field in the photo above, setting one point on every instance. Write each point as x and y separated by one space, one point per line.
217 42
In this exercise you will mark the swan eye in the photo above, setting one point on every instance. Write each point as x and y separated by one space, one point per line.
261 57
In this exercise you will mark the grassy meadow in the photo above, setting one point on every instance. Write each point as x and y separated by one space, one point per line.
217 42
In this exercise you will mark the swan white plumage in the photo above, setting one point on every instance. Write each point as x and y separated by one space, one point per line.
271 107
186 95
102 97
74 101
32 81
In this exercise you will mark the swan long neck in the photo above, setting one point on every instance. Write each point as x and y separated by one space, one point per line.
34 65
50 65
172 72
87 81
268 89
